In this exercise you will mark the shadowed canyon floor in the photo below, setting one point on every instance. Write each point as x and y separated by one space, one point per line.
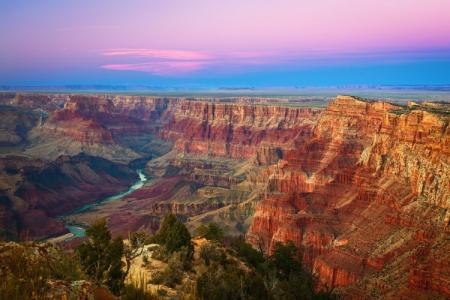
362 187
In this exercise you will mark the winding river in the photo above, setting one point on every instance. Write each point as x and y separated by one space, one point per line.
79 231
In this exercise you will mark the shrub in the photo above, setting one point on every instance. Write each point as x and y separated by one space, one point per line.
178 262
229 282
170 276
212 232
246 252
134 248
101 257
286 259
27 269
173 235
145 259
210 253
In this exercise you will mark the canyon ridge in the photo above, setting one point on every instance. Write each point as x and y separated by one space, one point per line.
361 186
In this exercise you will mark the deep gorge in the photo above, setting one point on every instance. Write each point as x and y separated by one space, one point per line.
362 187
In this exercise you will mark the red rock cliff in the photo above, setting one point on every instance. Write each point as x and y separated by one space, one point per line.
234 130
354 194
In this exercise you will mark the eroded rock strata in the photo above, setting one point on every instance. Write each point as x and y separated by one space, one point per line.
364 197
362 187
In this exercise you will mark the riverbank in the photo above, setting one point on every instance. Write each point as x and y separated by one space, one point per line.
78 229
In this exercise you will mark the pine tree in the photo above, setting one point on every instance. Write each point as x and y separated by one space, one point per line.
173 235
101 257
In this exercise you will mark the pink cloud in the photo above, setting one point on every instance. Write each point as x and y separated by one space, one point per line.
158 53
172 62
159 67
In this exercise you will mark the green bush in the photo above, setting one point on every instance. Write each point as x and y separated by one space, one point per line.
172 234
247 253
170 276
286 259
212 232
101 257
177 264
26 269
229 282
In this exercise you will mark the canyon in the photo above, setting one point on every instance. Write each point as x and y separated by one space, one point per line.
362 187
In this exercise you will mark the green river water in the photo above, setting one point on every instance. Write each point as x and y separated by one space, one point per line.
80 231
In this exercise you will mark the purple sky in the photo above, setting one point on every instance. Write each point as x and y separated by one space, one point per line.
233 42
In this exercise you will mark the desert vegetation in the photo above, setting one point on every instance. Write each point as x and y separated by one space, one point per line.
195 268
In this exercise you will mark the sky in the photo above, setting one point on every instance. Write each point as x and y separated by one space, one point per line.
217 43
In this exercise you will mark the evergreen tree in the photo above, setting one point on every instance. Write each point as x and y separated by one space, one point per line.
247 253
286 259
173 234
212 232
101 257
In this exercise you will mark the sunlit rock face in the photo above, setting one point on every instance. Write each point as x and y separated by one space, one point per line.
361 187
235 130
364 197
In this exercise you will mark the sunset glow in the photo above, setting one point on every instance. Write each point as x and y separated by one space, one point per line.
163 42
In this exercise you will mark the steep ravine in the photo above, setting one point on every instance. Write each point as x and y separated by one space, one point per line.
362 187
79 230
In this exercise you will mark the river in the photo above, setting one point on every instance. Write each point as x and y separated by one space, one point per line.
80 231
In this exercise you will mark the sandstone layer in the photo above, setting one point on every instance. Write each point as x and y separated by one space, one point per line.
362 187
364 196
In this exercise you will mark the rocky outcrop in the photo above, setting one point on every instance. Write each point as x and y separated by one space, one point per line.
34 101
369 177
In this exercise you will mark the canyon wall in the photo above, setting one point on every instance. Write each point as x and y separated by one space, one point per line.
358 192
234 130
362 187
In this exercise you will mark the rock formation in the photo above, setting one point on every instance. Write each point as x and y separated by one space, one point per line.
234 130
362 187
363 195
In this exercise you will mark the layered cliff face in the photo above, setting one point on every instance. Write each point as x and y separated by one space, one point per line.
234 130
124 127
97 126
15 123
202 178
34 101
414 147
362 187
363 196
